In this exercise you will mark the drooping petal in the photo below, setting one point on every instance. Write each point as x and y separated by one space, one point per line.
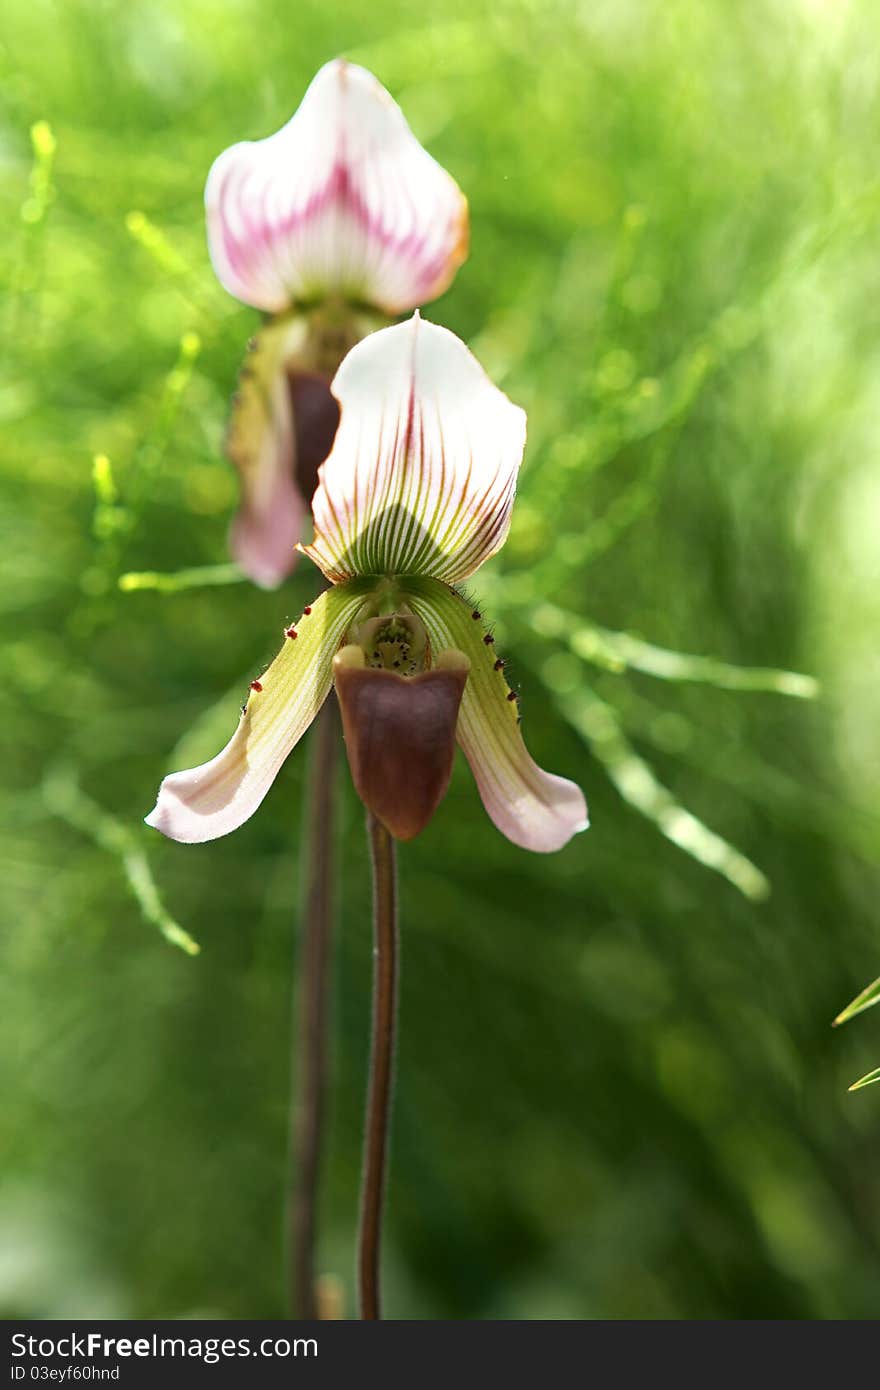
342 199
262 444
422 474
209 801
533 808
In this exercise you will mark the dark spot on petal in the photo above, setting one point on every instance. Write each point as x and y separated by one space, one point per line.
291 632
306 612
476 615
488 639
255 685
499 664
511 694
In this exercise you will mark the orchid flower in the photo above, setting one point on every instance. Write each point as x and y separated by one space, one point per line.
337 222
415 495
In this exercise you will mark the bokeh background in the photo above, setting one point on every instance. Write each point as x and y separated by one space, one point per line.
619 1094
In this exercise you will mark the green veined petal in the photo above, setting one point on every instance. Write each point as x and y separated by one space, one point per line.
422 474
206 802
533 808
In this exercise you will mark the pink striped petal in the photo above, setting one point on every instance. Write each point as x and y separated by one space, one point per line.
535 809
209 801
343 199
422 474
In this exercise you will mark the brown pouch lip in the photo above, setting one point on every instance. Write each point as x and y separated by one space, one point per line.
400 740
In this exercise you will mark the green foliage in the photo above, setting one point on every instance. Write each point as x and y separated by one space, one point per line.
868 1080
865 1000
64 799
618 1091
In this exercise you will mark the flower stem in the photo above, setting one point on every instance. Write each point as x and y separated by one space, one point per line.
385 970
309 1061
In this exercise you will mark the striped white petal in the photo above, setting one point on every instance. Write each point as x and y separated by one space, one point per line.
535 809
422 474
209 801
343 199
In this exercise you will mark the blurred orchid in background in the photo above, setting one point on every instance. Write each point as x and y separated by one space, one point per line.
416 493
337 222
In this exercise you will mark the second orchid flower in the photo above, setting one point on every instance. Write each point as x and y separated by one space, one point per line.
333 225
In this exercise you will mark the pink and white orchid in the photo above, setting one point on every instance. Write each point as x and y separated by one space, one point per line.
335 223
343 200
415 495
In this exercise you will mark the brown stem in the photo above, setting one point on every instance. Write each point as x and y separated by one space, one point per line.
309 1062
385 967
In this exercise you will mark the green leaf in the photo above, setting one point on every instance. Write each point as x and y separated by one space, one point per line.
868 1080
596 722
621 651
197 577
68 802
869 996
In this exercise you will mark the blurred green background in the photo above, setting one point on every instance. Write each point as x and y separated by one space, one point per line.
618 1091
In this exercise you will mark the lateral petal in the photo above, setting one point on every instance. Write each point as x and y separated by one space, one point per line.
535 809
206 802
